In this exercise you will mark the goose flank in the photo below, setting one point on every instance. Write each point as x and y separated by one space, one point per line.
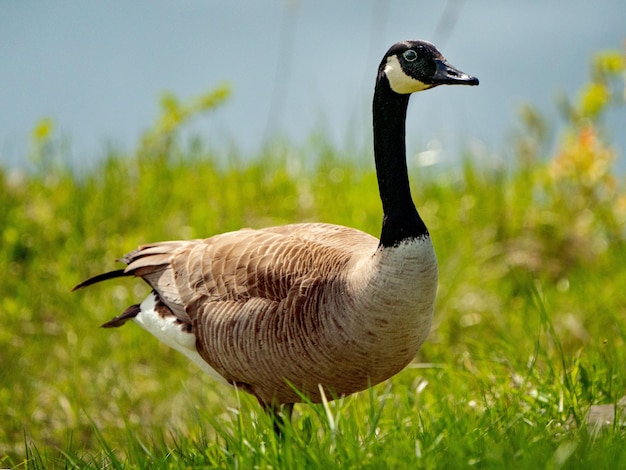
310 305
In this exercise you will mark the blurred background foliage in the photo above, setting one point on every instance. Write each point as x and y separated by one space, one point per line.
531 258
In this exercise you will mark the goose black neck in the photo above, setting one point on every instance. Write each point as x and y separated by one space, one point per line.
401 220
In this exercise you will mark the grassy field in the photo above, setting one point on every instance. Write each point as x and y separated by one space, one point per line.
530 323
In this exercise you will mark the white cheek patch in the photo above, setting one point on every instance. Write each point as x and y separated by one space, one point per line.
399 81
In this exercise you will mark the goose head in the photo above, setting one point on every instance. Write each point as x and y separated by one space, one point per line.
412 66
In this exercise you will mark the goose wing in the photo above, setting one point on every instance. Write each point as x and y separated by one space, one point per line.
250 297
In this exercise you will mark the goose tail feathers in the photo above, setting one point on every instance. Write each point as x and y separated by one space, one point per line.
102 277
130 313
145 260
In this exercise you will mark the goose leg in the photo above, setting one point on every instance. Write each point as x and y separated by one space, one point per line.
280 414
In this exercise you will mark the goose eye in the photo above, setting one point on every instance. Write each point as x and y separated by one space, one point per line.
410 55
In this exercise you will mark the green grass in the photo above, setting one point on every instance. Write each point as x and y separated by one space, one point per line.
530 323
525 339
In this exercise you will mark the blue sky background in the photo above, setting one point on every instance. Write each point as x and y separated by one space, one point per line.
98 68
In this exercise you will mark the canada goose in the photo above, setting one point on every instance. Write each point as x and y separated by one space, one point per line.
296 310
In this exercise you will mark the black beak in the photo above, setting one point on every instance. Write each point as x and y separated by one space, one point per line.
446 74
